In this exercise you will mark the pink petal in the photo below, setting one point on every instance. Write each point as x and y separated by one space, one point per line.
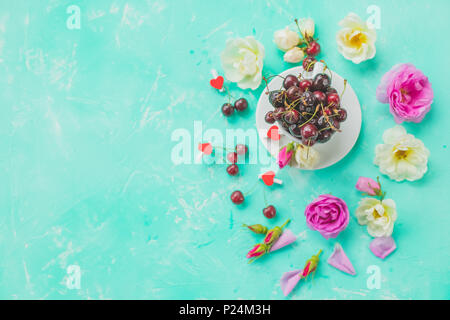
289 280
286 238
340 261
367 185
383 246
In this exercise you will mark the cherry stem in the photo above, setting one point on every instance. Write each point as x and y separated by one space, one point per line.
265 199
300 31
251 190
345 86
284 224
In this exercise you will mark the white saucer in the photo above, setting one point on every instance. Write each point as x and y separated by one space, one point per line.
340 143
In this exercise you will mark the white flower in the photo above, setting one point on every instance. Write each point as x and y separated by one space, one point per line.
305 158
402 156
286 39
242 61
307 27
294 55
379 216
356 40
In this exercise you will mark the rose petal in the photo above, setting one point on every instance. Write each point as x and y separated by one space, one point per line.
286 238
289 280
383 246
340 261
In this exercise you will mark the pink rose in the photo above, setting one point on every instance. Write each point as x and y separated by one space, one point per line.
369 186
327 214
408 92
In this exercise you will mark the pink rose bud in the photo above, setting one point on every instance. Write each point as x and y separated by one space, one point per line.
257 228
311 265
285 155
273 234
257 251
369 186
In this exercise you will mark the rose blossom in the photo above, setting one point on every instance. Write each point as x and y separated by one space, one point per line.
408 92
285 39
327 214
369 186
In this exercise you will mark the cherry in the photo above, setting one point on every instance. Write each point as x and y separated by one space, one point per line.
276 98
308 99
269 117
333 99
290 81
291 116
309 131
237 197
322 122
313 48
342 115
232 157
227 109
324 136
308 63
321 82
278 113
305 84
293 93
241 104
284 124
233 169
335 123
269 212
241 149
320 97
295 130
308 142
331 90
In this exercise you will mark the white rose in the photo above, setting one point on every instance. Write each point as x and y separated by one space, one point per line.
307 27
402 156
242 61
305 158
379 216
356 40
294 55
286 39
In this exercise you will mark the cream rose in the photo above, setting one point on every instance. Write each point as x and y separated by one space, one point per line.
294 55
242 61
402 156
286 39
379 216
356 40
307 27
305 158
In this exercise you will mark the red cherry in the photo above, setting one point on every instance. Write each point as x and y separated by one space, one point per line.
233 169
241 149
227 109
237 197
308 63
320 97
269 212
241 104
313 49
232 157
333 99
305 84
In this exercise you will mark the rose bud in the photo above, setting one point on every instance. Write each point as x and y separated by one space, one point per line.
257 251
311 265
273 234
257 228
369 186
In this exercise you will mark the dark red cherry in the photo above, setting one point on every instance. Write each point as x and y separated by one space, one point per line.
241 149
290 81
269 117
241 104
233 169
293 93
313 49
321 82
333 100
308 63
324 136
342 115
320 97
305 84
308 142
309 131
278 113
227 109
269 212
277 98
291 116
295 130
237 197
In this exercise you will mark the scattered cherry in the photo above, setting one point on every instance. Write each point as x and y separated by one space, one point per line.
233 169
290 81
232 157
270 212
241 149
313 48
227 109
241 104
237 197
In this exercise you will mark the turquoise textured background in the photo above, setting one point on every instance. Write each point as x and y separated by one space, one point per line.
86 177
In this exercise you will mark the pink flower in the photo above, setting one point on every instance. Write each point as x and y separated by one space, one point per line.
369 186
285 155
408 92
327 214
257 251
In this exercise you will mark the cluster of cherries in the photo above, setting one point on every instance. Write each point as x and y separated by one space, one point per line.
240 105
309 109
232 157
